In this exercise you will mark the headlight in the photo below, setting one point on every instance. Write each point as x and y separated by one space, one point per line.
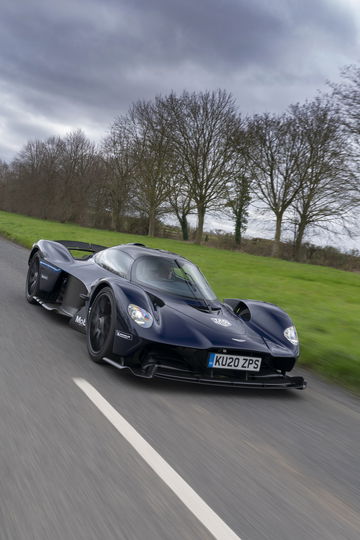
291 335
140 316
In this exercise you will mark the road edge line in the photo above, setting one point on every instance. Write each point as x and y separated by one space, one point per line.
215 525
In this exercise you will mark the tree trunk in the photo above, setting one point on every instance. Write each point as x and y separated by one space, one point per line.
184 227
238 223
116 219
200 227
151 229
277 237
298 241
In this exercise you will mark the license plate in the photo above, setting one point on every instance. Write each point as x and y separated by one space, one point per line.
229 361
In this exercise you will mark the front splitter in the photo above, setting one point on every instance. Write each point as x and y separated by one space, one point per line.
273 382
270 383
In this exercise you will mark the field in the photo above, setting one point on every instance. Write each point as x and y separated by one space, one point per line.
324 303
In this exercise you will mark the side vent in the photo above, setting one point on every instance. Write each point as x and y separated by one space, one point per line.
239 307
156 301
243 311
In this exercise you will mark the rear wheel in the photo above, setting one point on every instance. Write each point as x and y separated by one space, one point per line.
101 325
33 279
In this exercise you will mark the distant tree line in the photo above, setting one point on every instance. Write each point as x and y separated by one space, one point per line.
194 154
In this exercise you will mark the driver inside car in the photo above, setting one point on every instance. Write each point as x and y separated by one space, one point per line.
160 269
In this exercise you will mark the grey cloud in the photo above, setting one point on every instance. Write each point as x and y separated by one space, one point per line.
84 62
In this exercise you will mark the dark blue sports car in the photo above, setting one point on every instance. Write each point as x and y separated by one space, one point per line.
153 312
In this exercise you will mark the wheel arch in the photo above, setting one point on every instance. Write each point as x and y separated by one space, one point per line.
54 251
97 289
125 293
35 249
120 298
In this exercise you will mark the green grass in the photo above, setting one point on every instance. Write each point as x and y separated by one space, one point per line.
323 302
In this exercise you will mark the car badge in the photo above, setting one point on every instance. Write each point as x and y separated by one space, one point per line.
221 322
123 335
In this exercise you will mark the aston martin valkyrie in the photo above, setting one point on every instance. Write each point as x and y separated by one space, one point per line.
153 312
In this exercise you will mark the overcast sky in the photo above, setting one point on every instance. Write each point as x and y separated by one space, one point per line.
79 63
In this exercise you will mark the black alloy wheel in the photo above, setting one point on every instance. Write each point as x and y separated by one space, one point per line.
101 325
33 279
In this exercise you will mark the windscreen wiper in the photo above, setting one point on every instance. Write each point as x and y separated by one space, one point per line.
192 286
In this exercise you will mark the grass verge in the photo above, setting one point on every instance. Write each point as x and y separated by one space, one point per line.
324 303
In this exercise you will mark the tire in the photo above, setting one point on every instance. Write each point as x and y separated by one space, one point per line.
33 279
100 325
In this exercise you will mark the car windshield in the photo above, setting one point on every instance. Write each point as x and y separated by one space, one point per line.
174 276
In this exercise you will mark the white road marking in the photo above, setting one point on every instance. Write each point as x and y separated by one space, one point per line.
172 479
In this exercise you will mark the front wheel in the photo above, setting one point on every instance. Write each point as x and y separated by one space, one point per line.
101 325
33 279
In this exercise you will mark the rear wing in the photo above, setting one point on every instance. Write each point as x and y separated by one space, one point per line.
81 246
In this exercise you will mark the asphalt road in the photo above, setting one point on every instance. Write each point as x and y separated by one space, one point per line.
276 465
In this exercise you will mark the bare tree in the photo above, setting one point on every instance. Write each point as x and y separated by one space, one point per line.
31 191
202 129
49 178
79 162
238 200
346 96
180 195
55 178
325 194
276 151
238 192
96 202
153 170
181 202
4 185
120 163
